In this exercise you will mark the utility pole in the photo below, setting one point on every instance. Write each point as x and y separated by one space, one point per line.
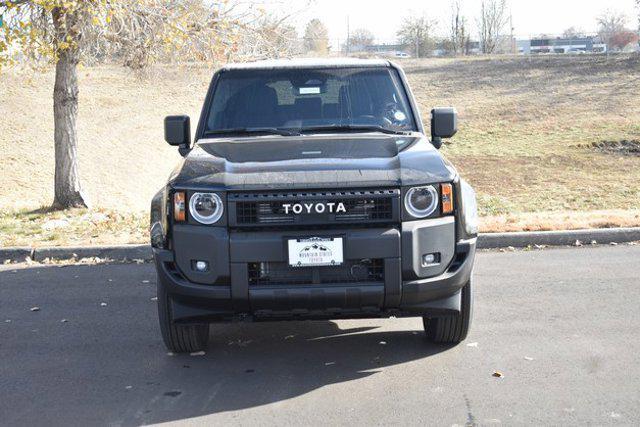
348 43
513 41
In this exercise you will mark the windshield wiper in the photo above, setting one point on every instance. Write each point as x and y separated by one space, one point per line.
251 131
354 128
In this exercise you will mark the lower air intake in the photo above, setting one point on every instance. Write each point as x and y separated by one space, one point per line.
280 273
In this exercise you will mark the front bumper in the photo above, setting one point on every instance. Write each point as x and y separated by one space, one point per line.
225 292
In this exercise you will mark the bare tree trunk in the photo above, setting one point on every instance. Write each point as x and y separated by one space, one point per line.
68 193
493 18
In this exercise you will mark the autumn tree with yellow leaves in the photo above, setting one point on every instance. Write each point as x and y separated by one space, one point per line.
136 32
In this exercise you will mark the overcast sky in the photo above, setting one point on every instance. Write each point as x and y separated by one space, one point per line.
383 17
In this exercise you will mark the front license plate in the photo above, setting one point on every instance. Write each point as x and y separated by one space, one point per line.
315 252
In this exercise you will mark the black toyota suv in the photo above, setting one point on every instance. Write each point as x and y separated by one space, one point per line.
312 192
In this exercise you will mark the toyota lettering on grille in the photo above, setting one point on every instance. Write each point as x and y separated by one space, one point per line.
299 208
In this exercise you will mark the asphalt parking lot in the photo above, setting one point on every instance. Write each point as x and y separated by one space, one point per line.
561 325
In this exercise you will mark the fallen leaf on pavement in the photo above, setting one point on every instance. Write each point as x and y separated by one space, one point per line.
240 343
498 374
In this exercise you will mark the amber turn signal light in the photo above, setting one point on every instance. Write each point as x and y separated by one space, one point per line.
447 198
179 206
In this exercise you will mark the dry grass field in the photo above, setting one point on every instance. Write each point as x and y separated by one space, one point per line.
548 142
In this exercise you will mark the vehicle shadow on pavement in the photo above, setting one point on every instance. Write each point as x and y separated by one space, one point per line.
106 364
250 365
253 364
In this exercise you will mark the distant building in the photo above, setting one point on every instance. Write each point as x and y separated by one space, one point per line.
523 47
561 45
474 48
502 44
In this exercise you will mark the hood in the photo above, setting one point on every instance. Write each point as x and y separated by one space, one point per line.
306 162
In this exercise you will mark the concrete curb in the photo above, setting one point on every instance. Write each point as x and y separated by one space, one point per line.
15 254
114 252
125 252
558 238
485 241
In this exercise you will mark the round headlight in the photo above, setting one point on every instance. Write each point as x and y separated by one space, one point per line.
206 208
421 202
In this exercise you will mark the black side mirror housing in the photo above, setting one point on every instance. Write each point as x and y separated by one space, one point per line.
444 124
177 132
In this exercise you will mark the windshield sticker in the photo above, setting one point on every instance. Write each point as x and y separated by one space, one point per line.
309 90
399 116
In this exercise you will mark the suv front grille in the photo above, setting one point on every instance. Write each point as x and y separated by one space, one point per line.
266 209
261 213
280 273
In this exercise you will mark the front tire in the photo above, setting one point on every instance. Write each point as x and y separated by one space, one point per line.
180 338
452 329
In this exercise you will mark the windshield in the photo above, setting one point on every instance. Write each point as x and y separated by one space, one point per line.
339 99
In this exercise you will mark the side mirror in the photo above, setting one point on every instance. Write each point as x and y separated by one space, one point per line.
444 124
177 131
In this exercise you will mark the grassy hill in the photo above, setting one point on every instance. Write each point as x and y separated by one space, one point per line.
543 139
